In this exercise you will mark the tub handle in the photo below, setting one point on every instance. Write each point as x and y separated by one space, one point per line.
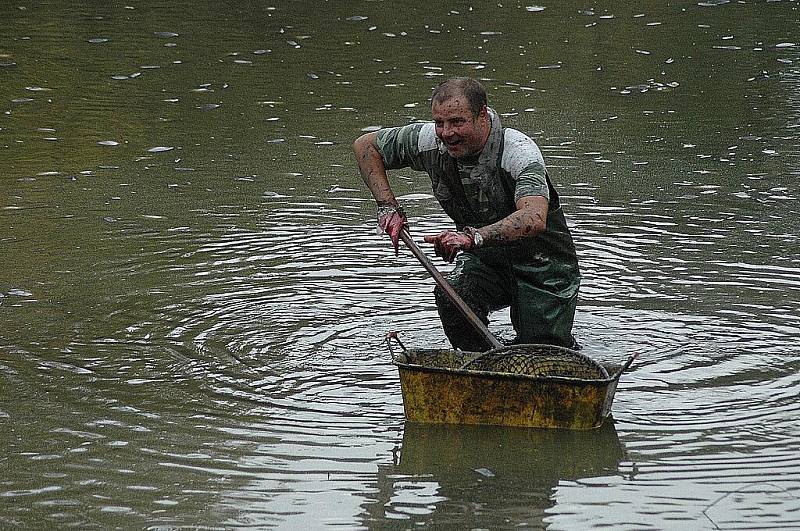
394 336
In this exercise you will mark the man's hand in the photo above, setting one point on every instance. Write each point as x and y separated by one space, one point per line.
392 220
447 244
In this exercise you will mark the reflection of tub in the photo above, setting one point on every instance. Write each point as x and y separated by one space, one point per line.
449 476
544 457
436 390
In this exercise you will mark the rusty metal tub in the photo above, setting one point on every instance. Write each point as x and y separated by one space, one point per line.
437 390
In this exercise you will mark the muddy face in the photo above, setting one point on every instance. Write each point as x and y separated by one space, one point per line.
462 133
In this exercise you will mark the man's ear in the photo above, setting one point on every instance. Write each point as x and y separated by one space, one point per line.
484 112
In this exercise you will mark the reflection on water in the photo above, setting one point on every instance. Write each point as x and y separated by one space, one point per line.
193 298
498 477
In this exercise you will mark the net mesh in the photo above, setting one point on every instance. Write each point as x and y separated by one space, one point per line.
538 360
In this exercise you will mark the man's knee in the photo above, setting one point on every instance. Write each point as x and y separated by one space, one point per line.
441 298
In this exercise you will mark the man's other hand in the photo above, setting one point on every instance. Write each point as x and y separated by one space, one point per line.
449 243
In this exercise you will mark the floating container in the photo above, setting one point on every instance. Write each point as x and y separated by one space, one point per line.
439 387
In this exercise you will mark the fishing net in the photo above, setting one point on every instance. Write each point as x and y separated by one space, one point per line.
538 360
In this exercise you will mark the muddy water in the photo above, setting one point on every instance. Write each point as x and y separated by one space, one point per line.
193 297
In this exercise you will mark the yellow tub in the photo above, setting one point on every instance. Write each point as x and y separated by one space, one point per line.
436 390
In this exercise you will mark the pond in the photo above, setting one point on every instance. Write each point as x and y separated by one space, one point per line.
193 297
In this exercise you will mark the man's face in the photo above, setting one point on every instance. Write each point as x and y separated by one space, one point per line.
462 133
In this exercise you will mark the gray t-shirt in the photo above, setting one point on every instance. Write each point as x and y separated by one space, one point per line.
407 146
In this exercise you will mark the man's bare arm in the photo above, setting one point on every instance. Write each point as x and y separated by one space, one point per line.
391 217
529 220
373 171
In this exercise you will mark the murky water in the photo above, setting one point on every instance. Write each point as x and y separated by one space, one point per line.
193 298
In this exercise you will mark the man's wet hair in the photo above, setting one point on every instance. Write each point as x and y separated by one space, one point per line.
461 86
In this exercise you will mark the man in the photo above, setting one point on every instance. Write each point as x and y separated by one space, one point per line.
511 244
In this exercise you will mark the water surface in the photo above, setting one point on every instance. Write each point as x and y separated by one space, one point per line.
193 298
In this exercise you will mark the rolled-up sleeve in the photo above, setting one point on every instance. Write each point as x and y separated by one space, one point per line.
532 181
524 161
399 146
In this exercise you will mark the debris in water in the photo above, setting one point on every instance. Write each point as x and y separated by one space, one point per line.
14 292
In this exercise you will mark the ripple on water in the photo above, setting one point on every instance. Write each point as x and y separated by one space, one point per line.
211 351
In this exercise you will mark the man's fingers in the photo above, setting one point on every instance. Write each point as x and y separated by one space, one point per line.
396 242
436 240
446 244
437 247
394 225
